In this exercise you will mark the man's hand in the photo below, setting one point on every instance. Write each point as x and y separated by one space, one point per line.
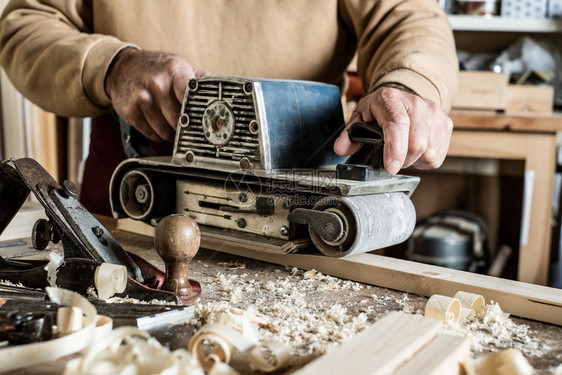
147 90
416 131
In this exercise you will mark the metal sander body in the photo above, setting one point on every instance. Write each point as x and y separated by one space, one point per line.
253 164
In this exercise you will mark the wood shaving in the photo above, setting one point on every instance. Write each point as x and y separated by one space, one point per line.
216 343
235 265
91 292
29 354
55 260
110 279
128 350
312 274
493 330
128 299
9 283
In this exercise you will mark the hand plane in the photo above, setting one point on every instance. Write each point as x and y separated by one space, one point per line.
253 164
87 244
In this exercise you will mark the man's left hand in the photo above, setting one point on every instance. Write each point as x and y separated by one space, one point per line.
416 131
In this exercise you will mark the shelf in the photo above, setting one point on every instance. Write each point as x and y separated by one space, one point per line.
523 122
505 24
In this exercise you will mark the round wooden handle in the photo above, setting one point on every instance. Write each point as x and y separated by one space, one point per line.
177 240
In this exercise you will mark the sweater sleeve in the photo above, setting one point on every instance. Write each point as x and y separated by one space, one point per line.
52 58
404 41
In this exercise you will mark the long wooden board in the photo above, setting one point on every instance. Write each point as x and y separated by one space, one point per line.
380 349
517 298
444 355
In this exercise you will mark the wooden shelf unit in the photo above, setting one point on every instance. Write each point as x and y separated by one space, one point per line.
531 139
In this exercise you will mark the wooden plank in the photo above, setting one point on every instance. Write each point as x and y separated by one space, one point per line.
534 250
493 121
135 226
489 144
517 298
482 90
379 349
529 99
443 355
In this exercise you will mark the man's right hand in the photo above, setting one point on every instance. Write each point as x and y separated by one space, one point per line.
147 90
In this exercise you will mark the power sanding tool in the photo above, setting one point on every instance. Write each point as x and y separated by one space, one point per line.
253 164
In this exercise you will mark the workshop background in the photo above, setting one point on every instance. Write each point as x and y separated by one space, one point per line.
511 84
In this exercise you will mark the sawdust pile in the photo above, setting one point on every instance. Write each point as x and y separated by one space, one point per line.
91 292
295 311
291 314
494 330
291 306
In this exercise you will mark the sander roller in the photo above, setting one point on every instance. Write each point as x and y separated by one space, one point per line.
253 164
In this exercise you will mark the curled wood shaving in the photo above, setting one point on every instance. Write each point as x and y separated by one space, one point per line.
104 326
55 260
30 354
223 341
466 314
110 279
214 344
128 350
69 319
277 356
471 301
443 308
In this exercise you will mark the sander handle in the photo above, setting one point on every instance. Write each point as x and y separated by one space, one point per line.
366 132
367 163
370 135
135 145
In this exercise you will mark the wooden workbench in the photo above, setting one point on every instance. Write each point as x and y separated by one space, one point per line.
531 138
250 284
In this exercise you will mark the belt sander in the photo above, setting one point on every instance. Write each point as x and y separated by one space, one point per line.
253 164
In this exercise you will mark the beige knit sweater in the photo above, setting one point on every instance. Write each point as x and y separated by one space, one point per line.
57 52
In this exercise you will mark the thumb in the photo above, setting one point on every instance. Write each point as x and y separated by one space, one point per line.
343 145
